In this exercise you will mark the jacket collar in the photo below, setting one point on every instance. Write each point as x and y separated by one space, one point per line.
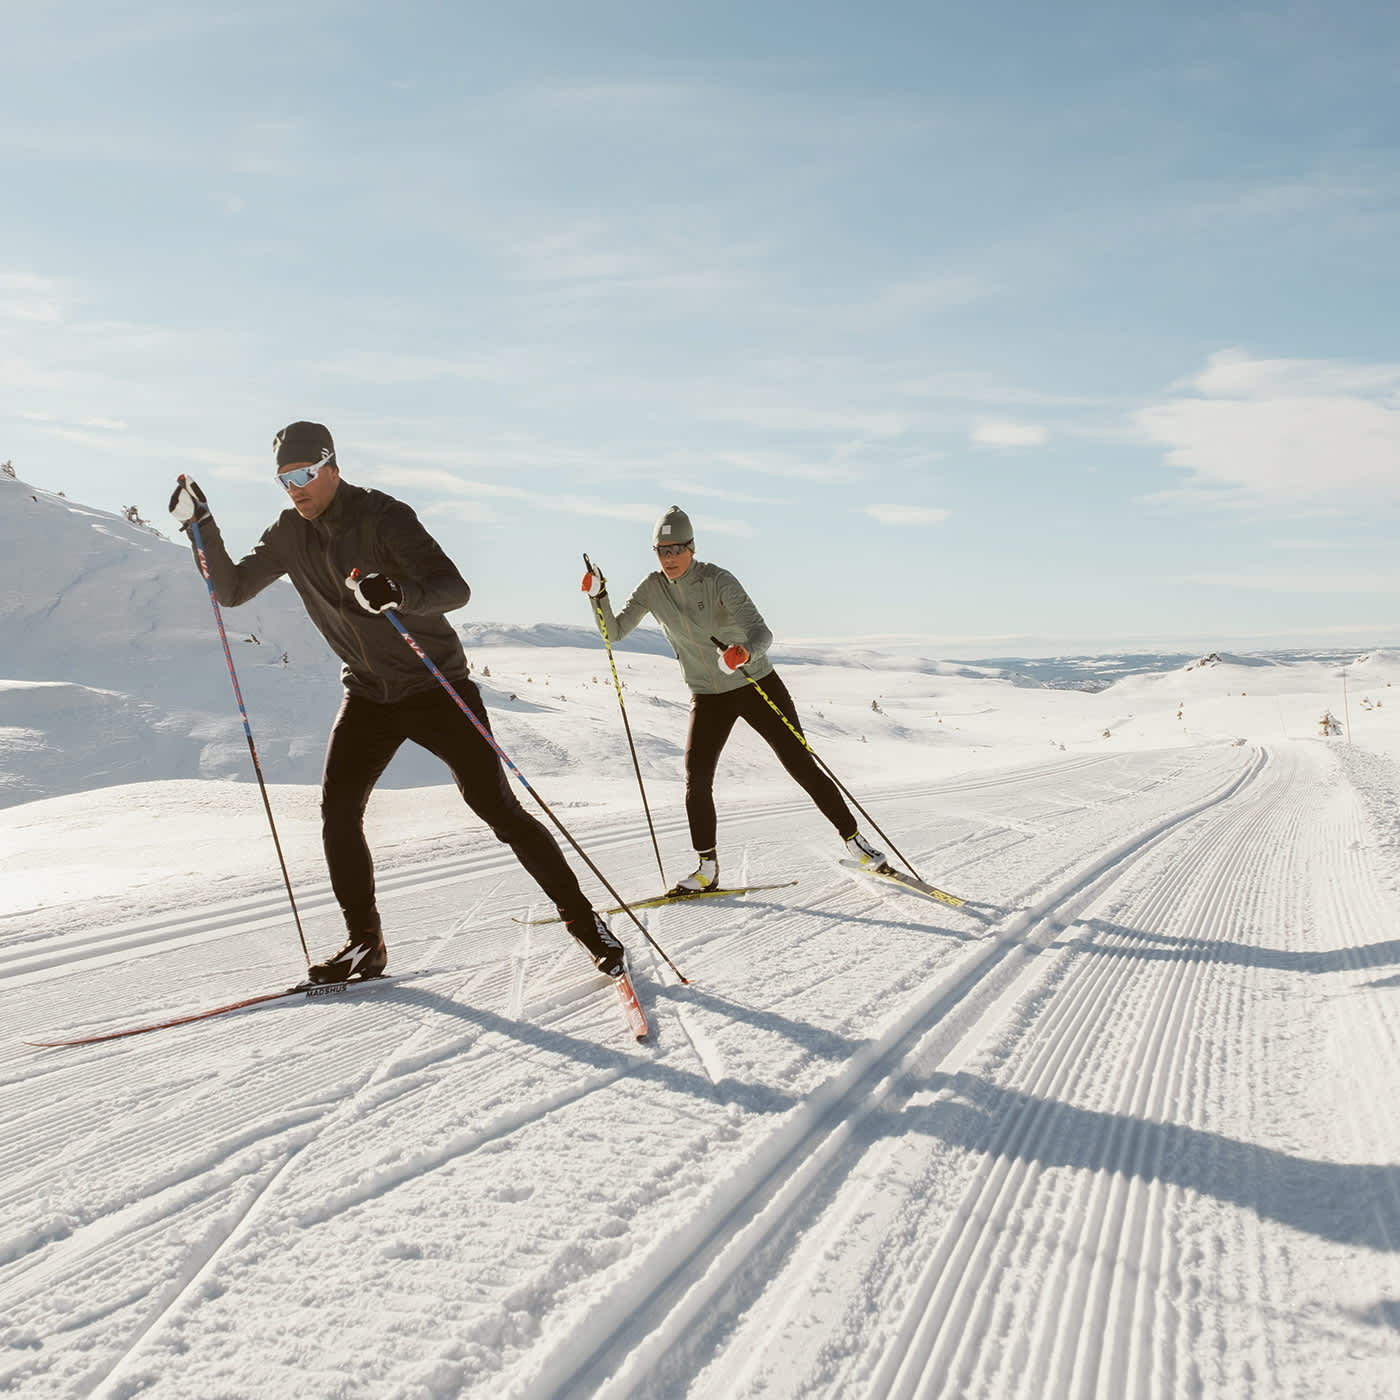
333 518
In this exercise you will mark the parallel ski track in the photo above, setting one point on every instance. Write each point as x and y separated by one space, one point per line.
55 957
229 1224
672 1321
1124 1206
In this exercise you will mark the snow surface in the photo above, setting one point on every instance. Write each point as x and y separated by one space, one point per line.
1124 1125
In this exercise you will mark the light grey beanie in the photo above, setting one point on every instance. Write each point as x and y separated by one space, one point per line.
673 528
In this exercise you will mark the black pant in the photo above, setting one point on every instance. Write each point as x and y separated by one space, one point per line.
712 720
366 735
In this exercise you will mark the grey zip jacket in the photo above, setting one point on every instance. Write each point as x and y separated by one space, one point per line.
706 601
369 531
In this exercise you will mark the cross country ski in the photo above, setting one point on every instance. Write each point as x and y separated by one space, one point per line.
907 882
310 990
676 897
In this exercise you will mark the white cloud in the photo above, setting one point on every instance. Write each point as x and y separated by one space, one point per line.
25 296
1288 430
1314 579
906 515
999 433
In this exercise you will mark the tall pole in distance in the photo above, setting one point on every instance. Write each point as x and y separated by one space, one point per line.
621 704
247 729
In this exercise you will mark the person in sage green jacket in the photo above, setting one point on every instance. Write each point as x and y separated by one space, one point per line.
695 601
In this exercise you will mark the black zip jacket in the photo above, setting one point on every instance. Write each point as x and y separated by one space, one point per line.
369 531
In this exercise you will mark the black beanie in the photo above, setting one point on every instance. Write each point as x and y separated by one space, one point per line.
303 442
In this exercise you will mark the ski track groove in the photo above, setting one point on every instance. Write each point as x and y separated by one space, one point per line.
1123 1209
222 1236
767 1205
1107 990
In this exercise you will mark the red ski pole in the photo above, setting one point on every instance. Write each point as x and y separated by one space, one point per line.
247 729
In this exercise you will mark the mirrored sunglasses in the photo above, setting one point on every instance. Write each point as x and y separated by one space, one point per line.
670 551
301 476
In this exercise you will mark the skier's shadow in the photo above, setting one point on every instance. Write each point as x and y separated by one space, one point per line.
1120 941
1354 1204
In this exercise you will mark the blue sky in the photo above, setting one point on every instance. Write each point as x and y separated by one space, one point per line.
1012 327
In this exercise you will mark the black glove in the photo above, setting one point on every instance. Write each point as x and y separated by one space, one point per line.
373 592
187 504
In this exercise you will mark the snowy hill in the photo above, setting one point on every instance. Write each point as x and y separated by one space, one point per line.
113 672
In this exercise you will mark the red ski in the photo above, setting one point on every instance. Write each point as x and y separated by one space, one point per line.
307 989
631 1007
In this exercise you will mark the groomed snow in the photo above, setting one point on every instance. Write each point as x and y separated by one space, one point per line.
1124 1125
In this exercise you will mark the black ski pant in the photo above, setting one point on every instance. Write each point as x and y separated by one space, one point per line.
366 735
712 720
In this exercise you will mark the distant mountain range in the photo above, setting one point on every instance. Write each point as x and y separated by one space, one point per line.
111 670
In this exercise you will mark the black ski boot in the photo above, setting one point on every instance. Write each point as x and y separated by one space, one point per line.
597 940
363 955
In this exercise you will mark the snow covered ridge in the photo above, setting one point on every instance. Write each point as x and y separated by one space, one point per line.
114 628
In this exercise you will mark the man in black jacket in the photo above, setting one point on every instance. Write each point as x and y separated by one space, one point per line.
351 554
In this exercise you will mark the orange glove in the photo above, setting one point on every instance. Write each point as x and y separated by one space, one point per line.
593 583
731 658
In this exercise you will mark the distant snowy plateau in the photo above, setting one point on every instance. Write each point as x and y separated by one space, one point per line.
1122 1125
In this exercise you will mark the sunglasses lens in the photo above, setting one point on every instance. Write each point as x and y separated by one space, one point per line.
302 476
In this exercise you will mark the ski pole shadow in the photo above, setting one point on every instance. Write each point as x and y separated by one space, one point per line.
824 1044
637 1063
861 920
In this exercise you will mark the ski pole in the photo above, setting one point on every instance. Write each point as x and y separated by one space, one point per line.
801 739
247 729
617 685
520 777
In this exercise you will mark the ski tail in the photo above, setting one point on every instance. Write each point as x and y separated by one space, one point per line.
631 1008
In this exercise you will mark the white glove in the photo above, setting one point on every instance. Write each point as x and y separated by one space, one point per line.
373 592
187 503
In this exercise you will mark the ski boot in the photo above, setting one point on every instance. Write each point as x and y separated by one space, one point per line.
598 941
860 849
706 876
363 955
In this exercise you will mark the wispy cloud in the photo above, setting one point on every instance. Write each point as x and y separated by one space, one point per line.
26 296
1313 579
1001 433
1284 430
906 515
